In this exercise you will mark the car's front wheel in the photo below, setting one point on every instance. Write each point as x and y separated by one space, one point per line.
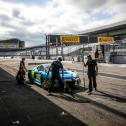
78 82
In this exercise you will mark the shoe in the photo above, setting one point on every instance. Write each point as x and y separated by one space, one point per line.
72 94
89 93
96 89
61 94
49 93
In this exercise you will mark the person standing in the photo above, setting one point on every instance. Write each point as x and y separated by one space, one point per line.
21 72
92 72
96 54
22 64
55 67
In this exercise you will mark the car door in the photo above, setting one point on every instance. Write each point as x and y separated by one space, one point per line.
38 74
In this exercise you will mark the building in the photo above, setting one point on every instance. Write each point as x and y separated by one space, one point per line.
113 52
12 44
117 30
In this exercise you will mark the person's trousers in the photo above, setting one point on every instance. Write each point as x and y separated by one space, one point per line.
92 78
60 82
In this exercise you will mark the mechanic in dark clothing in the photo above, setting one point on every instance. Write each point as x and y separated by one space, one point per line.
56 66
22 64
92 72
22 71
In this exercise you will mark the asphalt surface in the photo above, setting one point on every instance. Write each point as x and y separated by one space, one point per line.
29 105
106 74
22 106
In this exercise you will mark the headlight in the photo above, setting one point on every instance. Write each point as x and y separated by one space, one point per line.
75 75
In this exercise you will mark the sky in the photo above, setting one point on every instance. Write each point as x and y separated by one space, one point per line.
31 20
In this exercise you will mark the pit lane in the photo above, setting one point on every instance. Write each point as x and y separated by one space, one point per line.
81 109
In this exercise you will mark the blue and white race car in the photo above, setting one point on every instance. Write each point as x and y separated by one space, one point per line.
38 74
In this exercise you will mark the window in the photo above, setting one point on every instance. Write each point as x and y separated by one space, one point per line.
40 68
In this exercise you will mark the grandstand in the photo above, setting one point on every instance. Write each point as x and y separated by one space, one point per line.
11 44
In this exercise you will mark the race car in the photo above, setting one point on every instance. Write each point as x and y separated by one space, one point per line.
38 75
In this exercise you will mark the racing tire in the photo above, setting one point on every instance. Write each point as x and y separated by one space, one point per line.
41 81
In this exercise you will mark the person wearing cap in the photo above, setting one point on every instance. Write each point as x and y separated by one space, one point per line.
92 72
56 66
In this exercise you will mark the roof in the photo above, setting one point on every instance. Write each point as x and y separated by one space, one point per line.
114 26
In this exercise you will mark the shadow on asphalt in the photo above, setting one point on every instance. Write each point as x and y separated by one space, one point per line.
22 106
80 89
82 99
72 98
103 106
102 93
113 97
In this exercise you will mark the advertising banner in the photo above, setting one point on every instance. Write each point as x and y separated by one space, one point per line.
70 39
9 45
105 39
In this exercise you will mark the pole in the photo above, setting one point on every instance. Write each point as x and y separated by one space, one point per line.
83 68
56 47
84 63
46 47
62 50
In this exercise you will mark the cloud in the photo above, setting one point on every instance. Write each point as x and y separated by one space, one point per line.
16 13
87 6
4 18
29 20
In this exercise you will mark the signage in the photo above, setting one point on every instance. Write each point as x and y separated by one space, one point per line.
70 39
106 39
9 45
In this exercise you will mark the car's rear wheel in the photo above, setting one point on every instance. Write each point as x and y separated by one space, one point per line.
30 76
41 81
78 82
69 85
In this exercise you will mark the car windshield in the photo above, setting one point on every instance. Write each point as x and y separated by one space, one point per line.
64 69
40 68
47 68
